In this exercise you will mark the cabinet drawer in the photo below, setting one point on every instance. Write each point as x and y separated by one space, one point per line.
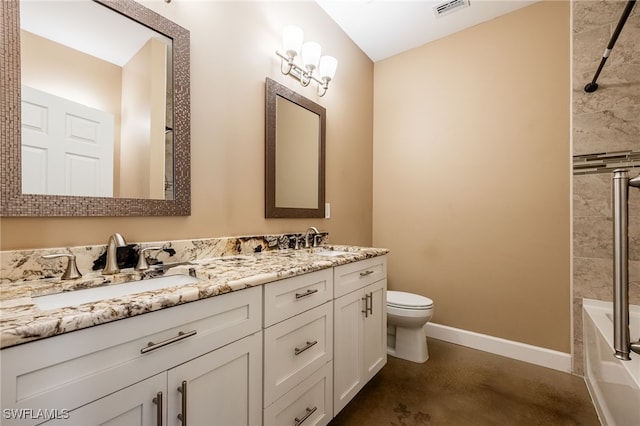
292 296
309 403
352 276
84 365
295 348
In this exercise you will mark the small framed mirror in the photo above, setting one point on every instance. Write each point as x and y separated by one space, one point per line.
294 154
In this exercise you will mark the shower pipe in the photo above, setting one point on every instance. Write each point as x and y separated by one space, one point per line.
621 339
593 86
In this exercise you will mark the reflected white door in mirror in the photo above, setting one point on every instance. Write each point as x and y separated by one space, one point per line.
67 147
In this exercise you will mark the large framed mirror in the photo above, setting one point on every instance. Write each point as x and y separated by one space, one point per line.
294 154
96 110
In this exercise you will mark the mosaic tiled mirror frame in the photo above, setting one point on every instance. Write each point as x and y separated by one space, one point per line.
14 203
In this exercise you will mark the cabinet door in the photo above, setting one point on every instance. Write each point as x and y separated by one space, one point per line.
131 406
223 387
348 348
375 329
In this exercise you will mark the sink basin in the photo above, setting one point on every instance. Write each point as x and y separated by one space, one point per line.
78 297
235 258
332 253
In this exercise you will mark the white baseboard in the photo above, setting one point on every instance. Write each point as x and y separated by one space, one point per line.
508 348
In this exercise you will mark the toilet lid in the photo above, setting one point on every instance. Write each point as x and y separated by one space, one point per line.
400 299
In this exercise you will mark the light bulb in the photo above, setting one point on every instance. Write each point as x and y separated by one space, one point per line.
310 55
292 40
327 67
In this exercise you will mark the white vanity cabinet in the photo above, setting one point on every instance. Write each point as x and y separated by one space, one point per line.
111 374
360 333
293 351
298 350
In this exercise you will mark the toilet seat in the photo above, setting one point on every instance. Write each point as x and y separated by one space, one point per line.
403 300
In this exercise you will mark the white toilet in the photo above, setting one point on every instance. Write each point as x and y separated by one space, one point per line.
407 314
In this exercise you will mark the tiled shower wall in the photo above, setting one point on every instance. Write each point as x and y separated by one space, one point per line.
605 121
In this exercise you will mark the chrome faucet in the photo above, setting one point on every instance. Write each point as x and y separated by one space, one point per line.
111 265
307 234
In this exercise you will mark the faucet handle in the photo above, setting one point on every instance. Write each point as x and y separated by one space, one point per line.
72 271
296 241
142 259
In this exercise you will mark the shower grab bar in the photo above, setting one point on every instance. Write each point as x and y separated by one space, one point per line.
621 338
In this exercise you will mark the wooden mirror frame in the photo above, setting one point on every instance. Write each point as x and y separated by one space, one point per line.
14 203
273 90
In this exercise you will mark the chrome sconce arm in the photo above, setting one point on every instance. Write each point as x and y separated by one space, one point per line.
312 61
289 67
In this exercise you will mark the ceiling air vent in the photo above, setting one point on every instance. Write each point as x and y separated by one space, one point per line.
449 6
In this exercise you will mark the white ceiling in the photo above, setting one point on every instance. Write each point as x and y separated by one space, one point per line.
381 28
384 28
87 27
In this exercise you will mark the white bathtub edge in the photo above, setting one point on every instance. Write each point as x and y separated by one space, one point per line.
544 357
603 373
597 310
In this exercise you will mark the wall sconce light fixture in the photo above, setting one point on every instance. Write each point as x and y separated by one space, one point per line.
324 66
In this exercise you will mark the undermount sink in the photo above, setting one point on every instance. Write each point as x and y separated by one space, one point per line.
78 297
332 253
233 258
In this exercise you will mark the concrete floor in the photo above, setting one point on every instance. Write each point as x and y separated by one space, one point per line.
462 386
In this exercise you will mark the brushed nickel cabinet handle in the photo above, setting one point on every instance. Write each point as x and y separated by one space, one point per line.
365 310
183 390
298 351
365 273
181 336
158 401
306 293
370 307
309 411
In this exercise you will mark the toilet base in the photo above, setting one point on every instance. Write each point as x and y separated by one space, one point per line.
407 343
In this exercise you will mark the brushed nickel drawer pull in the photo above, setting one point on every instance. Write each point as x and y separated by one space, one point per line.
306 293
309 412
365 273
158 401
181 336
183 390
298 351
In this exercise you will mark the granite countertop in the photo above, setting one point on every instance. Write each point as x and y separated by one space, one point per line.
22 321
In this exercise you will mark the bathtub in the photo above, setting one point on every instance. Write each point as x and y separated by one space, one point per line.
614 385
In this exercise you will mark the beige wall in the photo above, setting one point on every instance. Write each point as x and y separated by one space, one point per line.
472 175
232 51
297 154
144 87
